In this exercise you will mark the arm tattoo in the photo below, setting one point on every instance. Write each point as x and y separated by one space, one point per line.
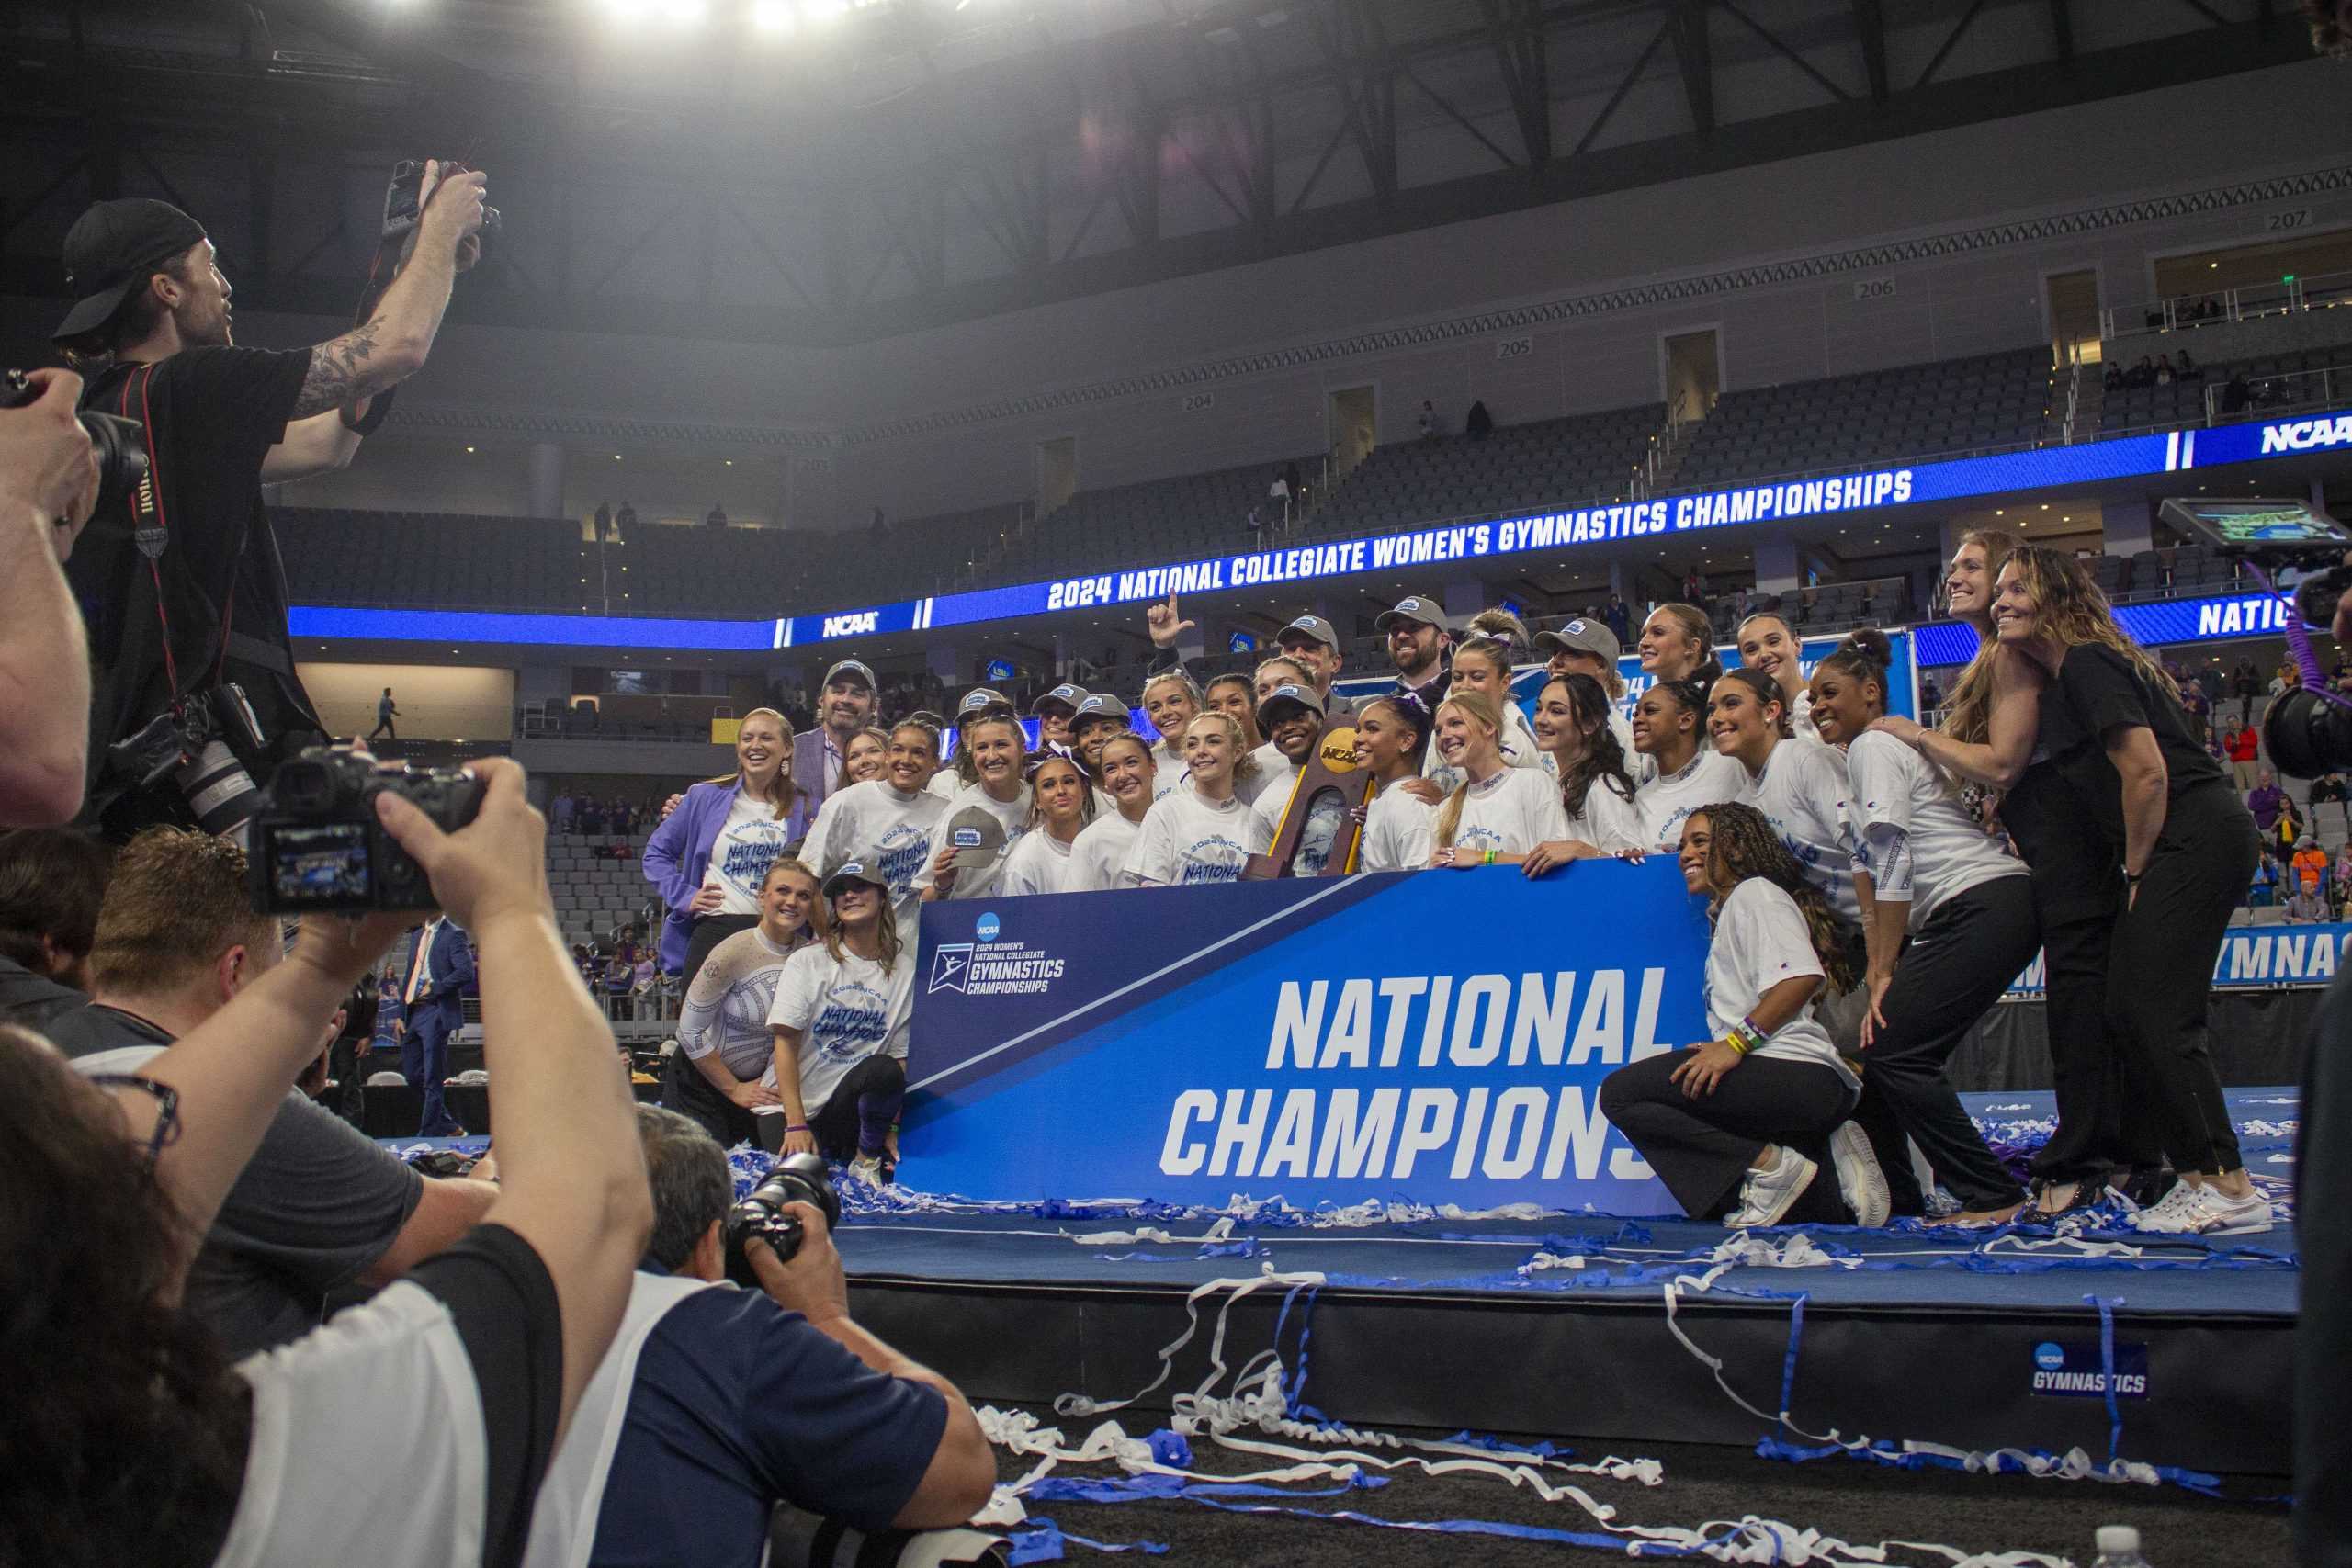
338 372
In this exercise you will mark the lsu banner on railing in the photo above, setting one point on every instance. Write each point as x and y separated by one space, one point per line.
1437 1035
2253 957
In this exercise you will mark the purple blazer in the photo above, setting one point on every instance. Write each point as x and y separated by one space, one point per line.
679 853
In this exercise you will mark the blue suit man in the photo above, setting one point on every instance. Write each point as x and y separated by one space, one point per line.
430 1007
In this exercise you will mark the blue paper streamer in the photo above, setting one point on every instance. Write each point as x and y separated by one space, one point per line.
1043 1541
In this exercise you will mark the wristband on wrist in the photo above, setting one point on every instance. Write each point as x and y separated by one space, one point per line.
1490 858
797 1127
1746 1037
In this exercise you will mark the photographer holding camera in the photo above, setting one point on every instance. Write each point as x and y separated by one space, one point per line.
717 1402
133 1439
48 482
184 589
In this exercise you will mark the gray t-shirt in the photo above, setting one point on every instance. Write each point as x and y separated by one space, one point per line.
317 1203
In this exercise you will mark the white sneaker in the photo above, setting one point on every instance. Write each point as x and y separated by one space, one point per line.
1766 1195
2215 1212
1859 1180
2168 1215
868 1169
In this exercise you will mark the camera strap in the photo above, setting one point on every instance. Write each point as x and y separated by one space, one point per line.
151 534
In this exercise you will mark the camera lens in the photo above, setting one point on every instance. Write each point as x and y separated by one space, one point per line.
2306 735
121 446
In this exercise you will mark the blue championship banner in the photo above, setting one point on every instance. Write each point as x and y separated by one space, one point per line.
1436 1035
2252 958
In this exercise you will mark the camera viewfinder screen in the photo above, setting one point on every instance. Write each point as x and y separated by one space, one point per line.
2244 523
319 866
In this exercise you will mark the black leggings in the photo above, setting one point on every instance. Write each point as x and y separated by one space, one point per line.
875 1087
687 1093
1950 972
2161 973
1701 1148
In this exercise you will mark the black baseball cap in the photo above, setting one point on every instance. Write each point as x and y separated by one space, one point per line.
114 248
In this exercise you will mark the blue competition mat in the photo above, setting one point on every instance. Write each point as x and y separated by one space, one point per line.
904 1234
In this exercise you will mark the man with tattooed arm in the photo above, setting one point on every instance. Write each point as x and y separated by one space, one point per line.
188 593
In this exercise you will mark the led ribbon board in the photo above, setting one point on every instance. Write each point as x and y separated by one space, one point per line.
2131 457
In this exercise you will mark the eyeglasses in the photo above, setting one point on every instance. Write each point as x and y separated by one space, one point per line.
167 1108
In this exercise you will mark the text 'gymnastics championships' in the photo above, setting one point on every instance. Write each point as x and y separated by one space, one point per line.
1470 541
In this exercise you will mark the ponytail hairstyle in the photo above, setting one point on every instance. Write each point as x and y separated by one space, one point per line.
1412 712
786 789
1482 711
1102 761
1604 757
1287 662
1245 766
1863 657
1692 698
1497 634
886 928
1774 615
1968 712
1702 631
1085 781
1741 844
1767 691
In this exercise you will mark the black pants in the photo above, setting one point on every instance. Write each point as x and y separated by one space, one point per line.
1950 972
687 1093
2323 1224
2103 1120
877 1084
2161 973
1701 1148
384 728
707 933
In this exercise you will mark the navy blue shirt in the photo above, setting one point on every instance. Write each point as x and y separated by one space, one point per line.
739 1402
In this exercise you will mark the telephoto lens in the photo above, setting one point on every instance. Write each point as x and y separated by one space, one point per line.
795 1178
2307 735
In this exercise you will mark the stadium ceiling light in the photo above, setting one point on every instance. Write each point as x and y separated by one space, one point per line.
774 16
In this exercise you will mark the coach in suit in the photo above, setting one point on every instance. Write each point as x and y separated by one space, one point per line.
431 1008
844 706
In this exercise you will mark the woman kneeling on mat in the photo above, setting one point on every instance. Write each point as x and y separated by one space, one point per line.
843 1011
1738 1127
724 1046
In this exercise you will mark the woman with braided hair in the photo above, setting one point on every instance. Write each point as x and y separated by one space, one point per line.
1738 1127
1682 771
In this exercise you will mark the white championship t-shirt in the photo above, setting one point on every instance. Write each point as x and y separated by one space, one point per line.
1099 853
1802 792
1273 778
1039 862
1609 821
1015 817
876 823
1186 839
1326 819
1761 940
748 843
846 1012
1892 786
944 783
726 1010
1510 812
1666 801
1396 832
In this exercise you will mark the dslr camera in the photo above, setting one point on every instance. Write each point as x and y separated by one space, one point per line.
316 843
2309 730
121 444
794 1179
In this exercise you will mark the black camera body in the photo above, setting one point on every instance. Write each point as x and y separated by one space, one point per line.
177 736
794 1179
316 843
404 200
121 442
2308 731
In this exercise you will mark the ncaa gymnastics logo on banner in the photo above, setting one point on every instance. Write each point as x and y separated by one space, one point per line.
987 966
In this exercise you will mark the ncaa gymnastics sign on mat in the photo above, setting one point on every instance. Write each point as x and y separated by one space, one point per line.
1439 1036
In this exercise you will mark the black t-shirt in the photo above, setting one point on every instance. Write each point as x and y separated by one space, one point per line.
211 414
33 1001
2096 691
